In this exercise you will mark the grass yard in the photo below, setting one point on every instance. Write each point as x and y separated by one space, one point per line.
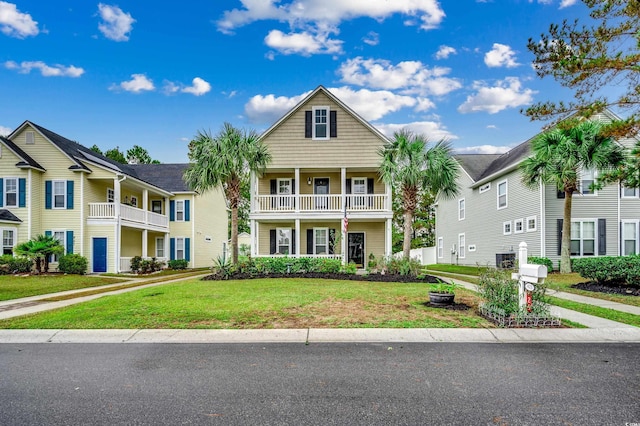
15 287
563 282
262 303
610 314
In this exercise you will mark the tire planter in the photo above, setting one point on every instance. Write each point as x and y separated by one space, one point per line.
441 299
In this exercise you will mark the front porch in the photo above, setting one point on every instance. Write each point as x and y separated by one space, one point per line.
132 216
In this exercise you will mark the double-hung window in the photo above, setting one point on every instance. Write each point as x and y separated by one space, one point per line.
359 190
461 209
583 238
180 248
321 123
587 177
110 195
58 235
159 247
440 247
629 238
461 246
11 192
283 242
321 240
284 193
180 211
629 192
8 241
518 226
502 195
59 194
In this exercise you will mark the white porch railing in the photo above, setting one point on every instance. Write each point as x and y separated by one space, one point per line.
314 256
322 203
132 214
125 262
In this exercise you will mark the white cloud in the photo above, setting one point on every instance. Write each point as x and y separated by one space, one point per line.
445 51
567 3
412 77
269 108
304 43
138 83
56 70
198 88
4 131
433 130
483 149
116 24
507 93
492 126
372 38
15 23
500 55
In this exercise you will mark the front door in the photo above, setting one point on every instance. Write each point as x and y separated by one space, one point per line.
99 255
320 188
355 248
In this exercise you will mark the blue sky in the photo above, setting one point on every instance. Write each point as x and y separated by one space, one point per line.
125 73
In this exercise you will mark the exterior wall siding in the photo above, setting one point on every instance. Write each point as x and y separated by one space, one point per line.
211 222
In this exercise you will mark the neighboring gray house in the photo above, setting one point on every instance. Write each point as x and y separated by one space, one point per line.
494 212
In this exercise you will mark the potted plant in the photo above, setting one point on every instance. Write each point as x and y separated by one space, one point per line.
442 293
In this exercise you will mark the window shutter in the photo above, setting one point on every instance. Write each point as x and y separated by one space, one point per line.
187 210
273 187
272 241
1 192
332 240
172 211
369 186
293 186
22 192
47 233
602 237
559 222
69 194
307 124
172 249
560 194
333 124
309 241
69 242
187 249
348 186
48 192
293 242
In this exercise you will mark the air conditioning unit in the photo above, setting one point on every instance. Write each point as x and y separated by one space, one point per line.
505 260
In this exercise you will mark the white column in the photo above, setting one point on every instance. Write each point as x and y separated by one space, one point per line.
253 192
297 253
343 201
167 247
257 239
388 204
343 191
254 238
82 176
388 243
145 237
145 200
297 189
116 196
29 201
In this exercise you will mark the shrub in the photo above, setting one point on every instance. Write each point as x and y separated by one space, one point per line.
222 268
178 264
73 264
13 265
145 266
609 269
402 266
349 268
499 291
541 261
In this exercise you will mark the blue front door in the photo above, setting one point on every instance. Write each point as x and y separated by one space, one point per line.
99 255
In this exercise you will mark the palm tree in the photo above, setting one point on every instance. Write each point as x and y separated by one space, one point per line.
39 249
226 160
409 164
559 156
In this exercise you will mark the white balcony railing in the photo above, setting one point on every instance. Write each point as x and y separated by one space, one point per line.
128 213
322 203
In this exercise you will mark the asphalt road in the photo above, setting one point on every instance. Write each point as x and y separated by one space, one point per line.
320 384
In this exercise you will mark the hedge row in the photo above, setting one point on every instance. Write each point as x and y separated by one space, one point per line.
609 269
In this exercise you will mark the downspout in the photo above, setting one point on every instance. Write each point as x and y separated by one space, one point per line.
543 223
29 176
118 223
82 218
619 224
193 230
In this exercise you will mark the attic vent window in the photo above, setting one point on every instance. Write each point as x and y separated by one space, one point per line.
30 138
485 187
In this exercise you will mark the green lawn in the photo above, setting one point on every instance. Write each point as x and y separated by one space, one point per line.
563 282
15 287
610 314
262 303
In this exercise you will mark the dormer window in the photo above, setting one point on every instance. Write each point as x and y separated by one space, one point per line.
321 123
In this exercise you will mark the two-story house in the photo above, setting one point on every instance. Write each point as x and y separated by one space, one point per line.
321 196
494 212
103 210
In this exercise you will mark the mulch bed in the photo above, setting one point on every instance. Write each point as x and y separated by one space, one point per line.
427 279
625 290
453 307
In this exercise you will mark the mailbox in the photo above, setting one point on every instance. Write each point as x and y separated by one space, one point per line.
533 273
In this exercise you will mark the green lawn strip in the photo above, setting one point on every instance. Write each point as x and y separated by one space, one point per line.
454 277
563 282
610 314
456 269
119 287
16 286
261 303
164 272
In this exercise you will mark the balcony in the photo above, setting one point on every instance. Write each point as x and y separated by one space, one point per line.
128 214
321 203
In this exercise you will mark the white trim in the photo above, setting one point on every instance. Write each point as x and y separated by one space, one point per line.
527 223
504 227
515 226
440 247
484 188
314 124
461 209
462 247
506 195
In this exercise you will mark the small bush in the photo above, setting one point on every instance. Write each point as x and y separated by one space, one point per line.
145 266
402 266
178 264
609 269
222 268
501 295
349 268
535 260
73 264
13 265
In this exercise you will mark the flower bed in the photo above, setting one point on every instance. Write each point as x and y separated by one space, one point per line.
519 321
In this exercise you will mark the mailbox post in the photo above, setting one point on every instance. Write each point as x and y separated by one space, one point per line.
528 276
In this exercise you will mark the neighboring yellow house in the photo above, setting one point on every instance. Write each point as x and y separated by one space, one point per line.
324 168
103 210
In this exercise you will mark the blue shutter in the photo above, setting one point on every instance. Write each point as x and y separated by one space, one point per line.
69 194
1 192
172 249
187 249
48 193
187 215
69 242
22 192
47 233
172 210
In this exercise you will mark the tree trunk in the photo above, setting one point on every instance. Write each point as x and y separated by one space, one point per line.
565 248
406 243
234 234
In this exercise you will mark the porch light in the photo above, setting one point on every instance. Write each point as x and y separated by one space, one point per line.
309 181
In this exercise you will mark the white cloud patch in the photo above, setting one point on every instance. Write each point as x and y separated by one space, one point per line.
500 55
4 131
411 77
483 149
299 13
116 24
198 87
15 23
56 70
567 3
304 43
434 130
372 38
492 126
445 51
507 93
139 83
269 108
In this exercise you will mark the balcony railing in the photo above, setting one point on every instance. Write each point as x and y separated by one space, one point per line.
321 203
128 213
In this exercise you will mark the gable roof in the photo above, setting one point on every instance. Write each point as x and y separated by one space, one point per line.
167 176
475 164
26 160
7 216
331 96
